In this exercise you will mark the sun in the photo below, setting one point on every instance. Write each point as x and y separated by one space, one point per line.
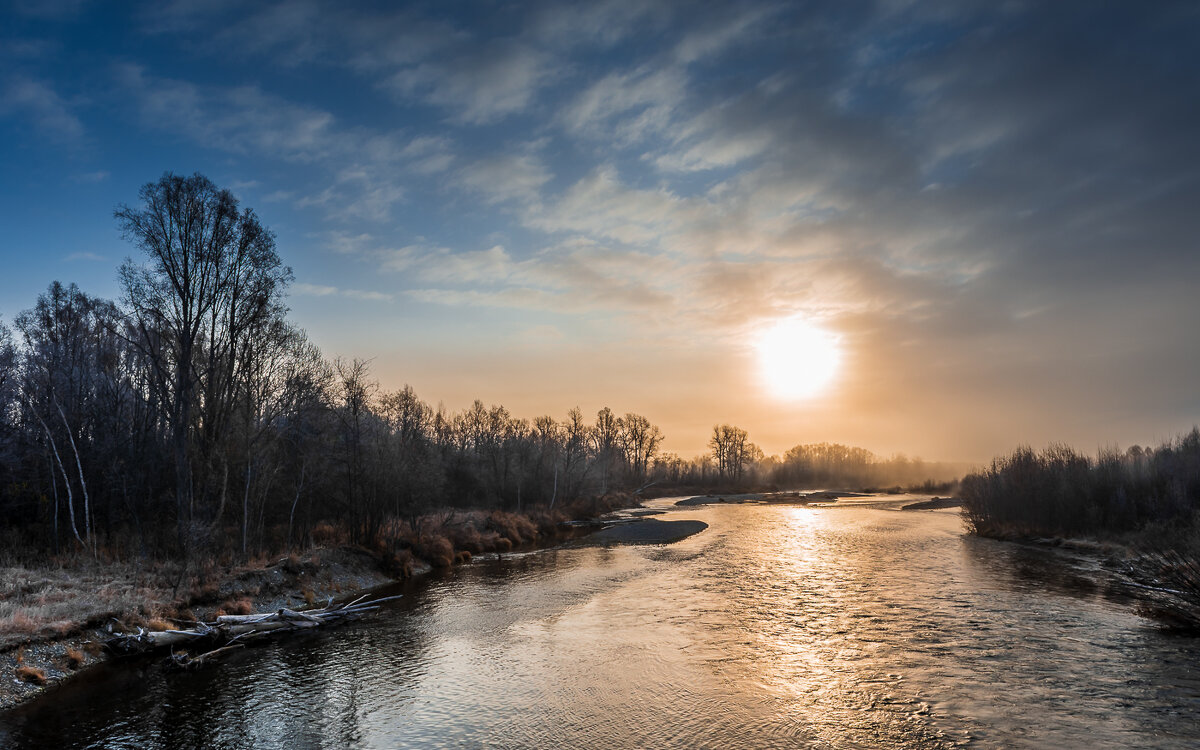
798 360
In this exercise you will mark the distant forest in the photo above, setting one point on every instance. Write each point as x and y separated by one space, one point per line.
1061 492
192 416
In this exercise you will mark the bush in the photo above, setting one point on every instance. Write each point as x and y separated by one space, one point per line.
517 529
75 658
31 674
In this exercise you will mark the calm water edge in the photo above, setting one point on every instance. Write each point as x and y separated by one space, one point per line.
780 626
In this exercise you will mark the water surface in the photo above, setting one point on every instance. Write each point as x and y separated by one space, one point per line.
778 626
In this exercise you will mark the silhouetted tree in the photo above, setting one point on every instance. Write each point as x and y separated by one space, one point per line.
210 280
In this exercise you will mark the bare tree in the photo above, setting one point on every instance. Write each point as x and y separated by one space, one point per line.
640 441
732 451
211 277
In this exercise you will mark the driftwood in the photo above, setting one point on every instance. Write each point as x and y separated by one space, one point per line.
230 632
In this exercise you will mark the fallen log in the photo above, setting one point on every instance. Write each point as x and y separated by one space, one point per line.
228 632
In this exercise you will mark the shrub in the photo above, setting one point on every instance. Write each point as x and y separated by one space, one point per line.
435 549
241 606
515 528
398 563
27 673
75 658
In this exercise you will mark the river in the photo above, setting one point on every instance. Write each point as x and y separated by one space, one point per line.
852 626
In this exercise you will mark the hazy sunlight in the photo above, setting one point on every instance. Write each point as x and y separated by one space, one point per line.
798 359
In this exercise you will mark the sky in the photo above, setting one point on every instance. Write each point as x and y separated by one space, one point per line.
992 207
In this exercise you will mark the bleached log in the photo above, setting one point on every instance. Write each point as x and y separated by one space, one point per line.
228 629
174 637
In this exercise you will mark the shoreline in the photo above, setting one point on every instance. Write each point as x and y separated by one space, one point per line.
67 648
1145 577
293 581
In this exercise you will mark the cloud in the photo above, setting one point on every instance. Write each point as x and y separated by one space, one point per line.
43 107
505 178
600 206
240 120
603 23
363 171
86 256
320 290
633 104
718 31
481 83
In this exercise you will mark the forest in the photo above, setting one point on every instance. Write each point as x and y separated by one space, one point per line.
192 417
1061 492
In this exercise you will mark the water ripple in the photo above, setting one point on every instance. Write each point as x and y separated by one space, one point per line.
777 627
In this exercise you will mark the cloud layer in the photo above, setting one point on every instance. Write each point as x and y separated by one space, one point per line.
992 203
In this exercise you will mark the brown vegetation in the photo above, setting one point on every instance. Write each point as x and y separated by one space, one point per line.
239 606
31 674
75 658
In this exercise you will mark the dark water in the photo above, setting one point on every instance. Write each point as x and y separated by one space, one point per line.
779 626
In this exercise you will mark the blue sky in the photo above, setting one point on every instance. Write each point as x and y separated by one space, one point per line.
991 204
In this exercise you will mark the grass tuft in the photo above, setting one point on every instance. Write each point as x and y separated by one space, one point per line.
26 673
75 658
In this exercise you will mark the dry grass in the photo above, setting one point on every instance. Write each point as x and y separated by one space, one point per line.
31 674
240 606
518 529
69 596
75 658
436 549
50 602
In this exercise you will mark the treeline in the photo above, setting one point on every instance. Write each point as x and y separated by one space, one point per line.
833 465
191 415
1060 492
736 462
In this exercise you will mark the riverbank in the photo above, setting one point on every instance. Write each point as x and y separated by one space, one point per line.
55 618
1160 571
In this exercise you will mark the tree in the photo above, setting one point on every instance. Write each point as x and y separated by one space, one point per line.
211 277
732 451
607 438
640 440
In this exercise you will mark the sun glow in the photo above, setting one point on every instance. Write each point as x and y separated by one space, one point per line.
798 360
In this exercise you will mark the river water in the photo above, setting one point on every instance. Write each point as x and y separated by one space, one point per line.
852 626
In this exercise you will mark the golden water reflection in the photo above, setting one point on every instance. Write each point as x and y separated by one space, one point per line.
779 626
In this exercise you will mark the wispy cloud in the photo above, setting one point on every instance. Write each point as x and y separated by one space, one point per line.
84 256
321 290
506 177
601 206
42 106
482 82
364 170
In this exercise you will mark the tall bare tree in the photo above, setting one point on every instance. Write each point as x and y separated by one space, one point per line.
211 276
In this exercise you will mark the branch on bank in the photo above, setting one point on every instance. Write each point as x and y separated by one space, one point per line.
206 641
